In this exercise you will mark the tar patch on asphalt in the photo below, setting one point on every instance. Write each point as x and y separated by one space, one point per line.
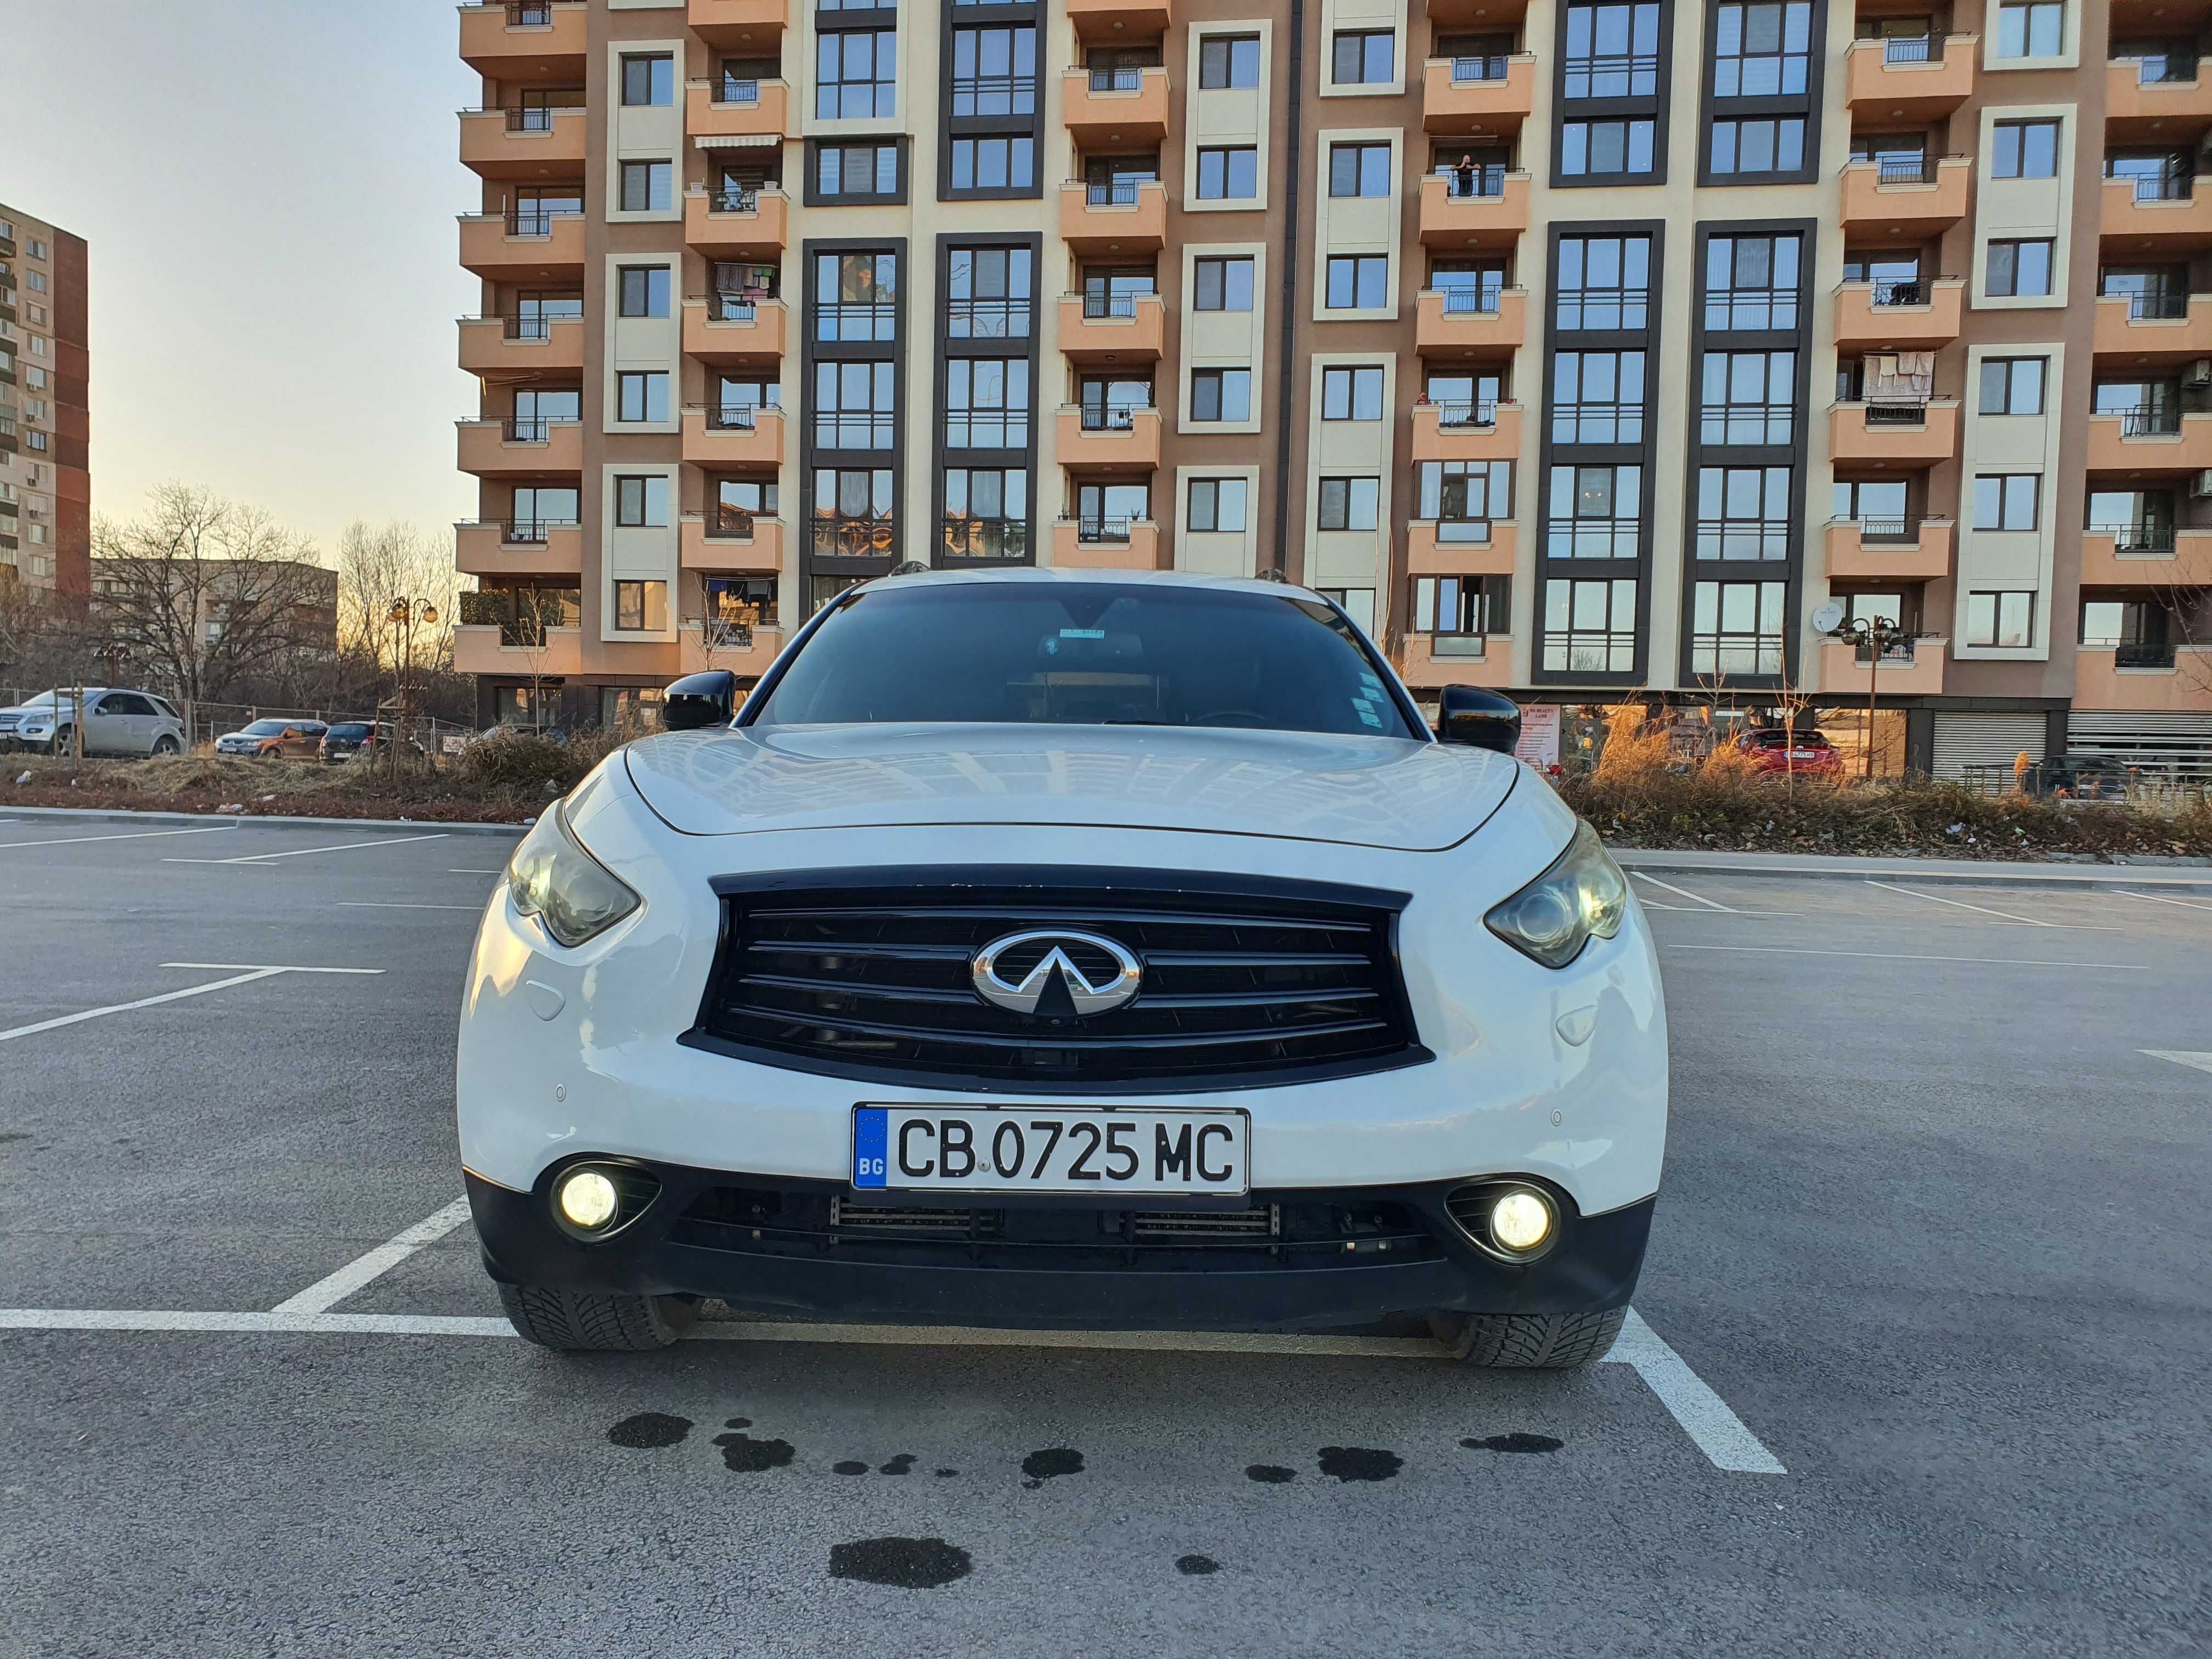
1359 1463
1514 1442
1041 1466
1196 1566
15 1137
1273 1474
850 1466
649 1429
743 1455
946 1475
898 1465
904 1562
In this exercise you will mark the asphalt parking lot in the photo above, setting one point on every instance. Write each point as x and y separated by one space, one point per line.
1920 1365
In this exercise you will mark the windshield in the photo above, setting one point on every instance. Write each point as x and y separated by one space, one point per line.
44 700
350 730
262 729
1086 653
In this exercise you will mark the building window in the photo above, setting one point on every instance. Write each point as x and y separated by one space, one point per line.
1603 282
1105 513
1363 57
1749 397
1590 627
1462 604
1743 513
1761 50
853 406
1229 173
2001 622
1358 281
1735 628
856 75
646 187
2008 501
1224 284
857 173
2036 29
1612 51
1359 169
1597 398
1352 394
645 290
1221 394
992 293
855 296
36 280
642 502
1461 498
986 402
852 516
2012 385
1596 512
641 395
1589 148
2024 150
1217 504
648 79
1229 60
1769 144
994 71
986 513
1350 503
642 607
986 164
2138 631
1751 282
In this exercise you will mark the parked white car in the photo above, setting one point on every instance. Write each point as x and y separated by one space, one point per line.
116 722
1067 949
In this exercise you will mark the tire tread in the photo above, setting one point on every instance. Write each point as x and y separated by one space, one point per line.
1530 1341
583 1321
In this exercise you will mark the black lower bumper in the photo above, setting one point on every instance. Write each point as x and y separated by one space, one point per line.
773 1245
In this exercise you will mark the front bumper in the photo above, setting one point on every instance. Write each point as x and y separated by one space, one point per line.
769 1245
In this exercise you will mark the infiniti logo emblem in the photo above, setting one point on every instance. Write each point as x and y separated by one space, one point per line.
1018 971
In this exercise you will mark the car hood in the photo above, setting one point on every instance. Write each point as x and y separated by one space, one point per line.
1362 792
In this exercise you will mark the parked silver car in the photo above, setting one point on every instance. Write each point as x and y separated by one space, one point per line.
116 722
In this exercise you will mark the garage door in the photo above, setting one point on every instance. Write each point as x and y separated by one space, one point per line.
1981 748
2167 741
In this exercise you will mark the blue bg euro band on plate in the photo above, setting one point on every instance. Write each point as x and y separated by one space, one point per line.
871 1145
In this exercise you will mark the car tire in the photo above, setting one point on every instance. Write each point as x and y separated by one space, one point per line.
165 744
586 1321
64 742
1528 1341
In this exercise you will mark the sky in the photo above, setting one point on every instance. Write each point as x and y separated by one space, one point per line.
269 188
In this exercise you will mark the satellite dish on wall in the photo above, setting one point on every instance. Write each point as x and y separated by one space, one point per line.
1825 619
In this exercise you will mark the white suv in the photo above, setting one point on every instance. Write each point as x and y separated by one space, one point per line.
1067 949
116 722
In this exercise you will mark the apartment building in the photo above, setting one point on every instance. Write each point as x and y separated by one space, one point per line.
45 481
1588 351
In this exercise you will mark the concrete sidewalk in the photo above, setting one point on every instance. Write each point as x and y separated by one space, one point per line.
2175 874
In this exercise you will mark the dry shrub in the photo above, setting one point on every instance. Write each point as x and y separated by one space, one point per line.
521 764
1729 765
1633 751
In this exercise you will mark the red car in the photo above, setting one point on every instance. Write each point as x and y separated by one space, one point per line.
1793 752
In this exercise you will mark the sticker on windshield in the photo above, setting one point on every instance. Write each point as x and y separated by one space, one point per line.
1083 633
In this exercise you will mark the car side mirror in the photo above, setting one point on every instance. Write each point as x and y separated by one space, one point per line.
699 701
1479 717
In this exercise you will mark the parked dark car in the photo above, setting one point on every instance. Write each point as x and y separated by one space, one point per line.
347 739
273 739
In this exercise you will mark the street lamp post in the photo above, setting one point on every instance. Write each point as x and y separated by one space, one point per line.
406 614
1873 635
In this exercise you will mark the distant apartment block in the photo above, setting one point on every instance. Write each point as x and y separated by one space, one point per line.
45 479
1586 351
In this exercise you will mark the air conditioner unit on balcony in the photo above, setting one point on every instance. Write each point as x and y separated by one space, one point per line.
2201 485
2199 372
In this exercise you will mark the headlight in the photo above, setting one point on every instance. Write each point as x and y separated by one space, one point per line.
552 877
1583 894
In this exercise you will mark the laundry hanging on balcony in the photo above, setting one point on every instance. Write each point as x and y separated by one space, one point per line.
1900 377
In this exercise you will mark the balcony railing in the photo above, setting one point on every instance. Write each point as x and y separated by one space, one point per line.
1741 310
719 633
1112 193
530 13
1592 539
538 221
1461 416
1096 305
987 429
837 537
1910 293
2144 653
1117 80
2146 420
729 524
1911 48
1466 184
734 199
1905 170
1471 301
985 539
531 533
858 429
735 417
1487 68
1111 417
2168 183
538 118
1748 423
989 319
998 94
2137 537
1602 310
522 615
855 320
1092 527
1598 423
1894 413
526 429
1899 655
1887 532
737 89
2153 305
1733 539
2165 70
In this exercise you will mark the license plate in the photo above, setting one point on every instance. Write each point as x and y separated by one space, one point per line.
1047 1149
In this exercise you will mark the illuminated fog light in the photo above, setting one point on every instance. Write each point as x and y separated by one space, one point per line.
586 1198
1520 1220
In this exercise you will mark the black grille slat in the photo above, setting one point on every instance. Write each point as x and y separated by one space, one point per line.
875 981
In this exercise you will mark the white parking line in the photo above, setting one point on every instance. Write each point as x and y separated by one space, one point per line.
1704 1415
2002 915
242 973
1679 892
302 852
2156 898
475 872
326 1294
1889 955
128 835
384 904
2203 1062
273 967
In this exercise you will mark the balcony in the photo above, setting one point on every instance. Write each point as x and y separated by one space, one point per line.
1452 323
1109 440
1106 544
735 333
732 24
737 224
517 43
522 348
1915 79
1912 201
738 436
1115 107
1889 549
2133 556
2135 108
1462 548
509 547
529 144
477 649
731 107
523 247
1118 21
2142 442
1478 95
1119 328
1494 217
2159 217
1466 432
743 651
1913 669
1130 217
1916 435
520 449
727 540
2154 328
1899 316
2099 681
1435 660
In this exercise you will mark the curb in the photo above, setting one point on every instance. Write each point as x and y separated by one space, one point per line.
119 814
2191 874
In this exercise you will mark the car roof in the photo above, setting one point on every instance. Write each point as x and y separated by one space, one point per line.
1117 578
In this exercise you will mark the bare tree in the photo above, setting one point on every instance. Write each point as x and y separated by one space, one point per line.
378 564
2186 593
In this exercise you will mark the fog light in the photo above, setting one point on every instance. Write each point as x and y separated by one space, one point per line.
586 1198
1520 1220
